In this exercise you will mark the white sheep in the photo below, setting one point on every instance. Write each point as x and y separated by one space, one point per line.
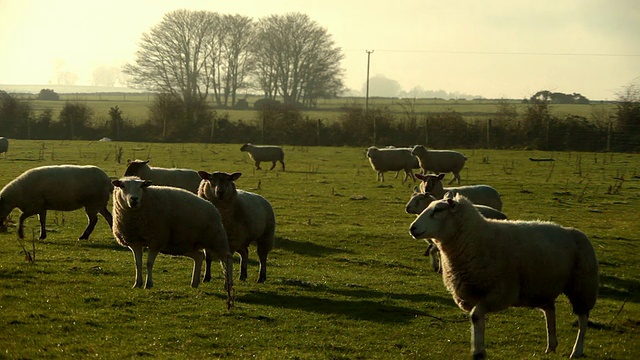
4 146
246 216
260 153
478 194
181 178
61 188
392 159
440 161
490 265
168 220
420 201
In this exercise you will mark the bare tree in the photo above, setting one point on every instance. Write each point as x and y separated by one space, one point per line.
297 58
173 58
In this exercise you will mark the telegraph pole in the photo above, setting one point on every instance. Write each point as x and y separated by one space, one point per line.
366 101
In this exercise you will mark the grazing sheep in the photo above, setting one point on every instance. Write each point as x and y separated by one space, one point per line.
490 265
168 220
61 188
181 178
478 194
392 159
4 146
246 216
419 201
440 161
261 153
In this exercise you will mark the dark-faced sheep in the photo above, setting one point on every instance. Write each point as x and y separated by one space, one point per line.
490 265
440 161
181 178
61 188
168 220
260 153
246 216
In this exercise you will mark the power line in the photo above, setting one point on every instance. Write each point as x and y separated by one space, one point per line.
502 53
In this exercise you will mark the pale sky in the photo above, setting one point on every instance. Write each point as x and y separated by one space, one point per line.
493 48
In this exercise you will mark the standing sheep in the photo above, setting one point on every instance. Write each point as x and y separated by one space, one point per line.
61 188
171 221
181 178
440 161
478 194
490 265
392 159
4 146
420 201
246 216
261 153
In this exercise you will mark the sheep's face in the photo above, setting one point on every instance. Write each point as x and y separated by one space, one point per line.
418 202
131 190
435 221
431 183
134 167
221 184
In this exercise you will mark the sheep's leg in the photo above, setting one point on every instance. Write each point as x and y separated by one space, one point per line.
43 221
273 165
23 218
282 162
578 347
258 165
107 216
244 260
137 256
477 332
197 267
151 258
93 220
550 316
207 266
263 251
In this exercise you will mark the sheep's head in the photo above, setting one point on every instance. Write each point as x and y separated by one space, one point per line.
222 183
245 147
135 166
418 202
435 220
131 190
372 151
431 182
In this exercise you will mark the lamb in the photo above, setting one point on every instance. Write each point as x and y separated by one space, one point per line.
246 216
490 265
478 194
419 201
181 178
172 221
440 161
4 146
260 153
61 188
392 159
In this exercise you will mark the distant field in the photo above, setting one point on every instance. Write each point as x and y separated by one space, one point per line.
345 280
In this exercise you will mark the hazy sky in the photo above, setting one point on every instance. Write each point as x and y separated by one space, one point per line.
493 48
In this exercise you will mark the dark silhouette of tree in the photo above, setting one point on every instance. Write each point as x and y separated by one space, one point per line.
48 94
296 59
116 123
559 98
74 117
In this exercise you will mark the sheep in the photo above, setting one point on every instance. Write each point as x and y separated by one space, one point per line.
168 220
4 146
246 216
478 194
181 178
261 153
490 265
392 159
438 161
419 201
61 188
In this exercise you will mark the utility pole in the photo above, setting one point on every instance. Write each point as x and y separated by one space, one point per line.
366 101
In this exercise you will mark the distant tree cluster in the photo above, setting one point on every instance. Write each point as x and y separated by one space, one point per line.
48 94
559 98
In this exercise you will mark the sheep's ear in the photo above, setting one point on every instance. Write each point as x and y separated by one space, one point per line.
441 176
204 175
452 203
128 161
146 183
448 195
117 183
235 176
421 177
146 162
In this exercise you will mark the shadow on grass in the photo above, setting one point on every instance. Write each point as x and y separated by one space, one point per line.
615 288
369 310
307 248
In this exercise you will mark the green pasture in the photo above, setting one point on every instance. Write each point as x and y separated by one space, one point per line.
345 281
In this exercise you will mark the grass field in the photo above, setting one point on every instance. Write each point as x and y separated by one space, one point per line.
345 281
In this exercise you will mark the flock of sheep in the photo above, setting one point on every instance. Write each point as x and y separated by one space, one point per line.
488 263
